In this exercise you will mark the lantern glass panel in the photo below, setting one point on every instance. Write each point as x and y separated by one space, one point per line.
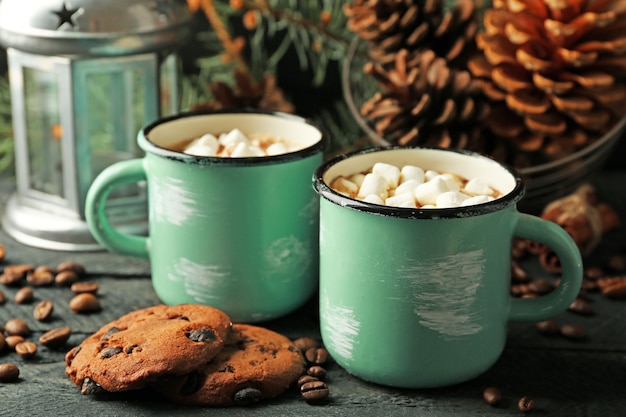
43 131
115 112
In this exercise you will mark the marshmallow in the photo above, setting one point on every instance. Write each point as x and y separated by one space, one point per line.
430 174
233 138
357 178
407 186
401 200
428 192
452 181
479 199
205 145
390 172
451 199
374 199
411 172
344 186
374 184
242 150
276 148
478 186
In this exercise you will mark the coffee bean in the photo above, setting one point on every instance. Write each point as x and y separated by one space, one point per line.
304 379
71 266
314 391
317 371
16 327
540 286
26 349
526 404
316 355
593 272
2 298
547 327
3 251
12 341
492 396
519 274
82 287
614 287
24 295
43 310
2 342
305 343
84 303
9 372
573 331
42 275
247 396
14 274
55 338
111 331
580 306
617 263
66 278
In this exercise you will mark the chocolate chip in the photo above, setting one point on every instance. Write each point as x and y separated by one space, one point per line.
110 332
91 387
109 352
184 318
201 335
247 396
130 349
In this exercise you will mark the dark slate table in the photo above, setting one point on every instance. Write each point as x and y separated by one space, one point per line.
564 377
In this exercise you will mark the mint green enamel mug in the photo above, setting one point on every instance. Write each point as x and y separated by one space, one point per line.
420 298
239 234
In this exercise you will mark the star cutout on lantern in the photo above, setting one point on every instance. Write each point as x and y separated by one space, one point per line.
67 15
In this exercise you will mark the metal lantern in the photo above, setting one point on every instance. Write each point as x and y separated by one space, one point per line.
85 76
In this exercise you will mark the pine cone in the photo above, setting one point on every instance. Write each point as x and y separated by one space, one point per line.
418 56
247 93
427 104
391 25
550 67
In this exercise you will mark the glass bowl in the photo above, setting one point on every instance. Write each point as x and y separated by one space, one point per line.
544 182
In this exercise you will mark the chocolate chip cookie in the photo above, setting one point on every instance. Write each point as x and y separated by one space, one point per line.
255 363
146 344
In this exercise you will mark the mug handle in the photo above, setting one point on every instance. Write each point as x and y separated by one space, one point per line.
556 238
114 176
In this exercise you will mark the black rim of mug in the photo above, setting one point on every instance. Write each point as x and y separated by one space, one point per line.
329 194
147 145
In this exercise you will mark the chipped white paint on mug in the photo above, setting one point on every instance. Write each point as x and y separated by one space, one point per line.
342 327
199 280
173 202
443 291
311 210
287 256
